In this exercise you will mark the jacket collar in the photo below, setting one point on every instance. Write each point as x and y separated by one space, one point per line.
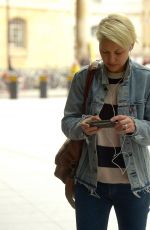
105 75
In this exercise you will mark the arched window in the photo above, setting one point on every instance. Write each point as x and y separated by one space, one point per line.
17 32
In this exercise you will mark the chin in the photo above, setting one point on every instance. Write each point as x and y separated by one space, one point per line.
114 69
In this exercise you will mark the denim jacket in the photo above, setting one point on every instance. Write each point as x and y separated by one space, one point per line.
133 100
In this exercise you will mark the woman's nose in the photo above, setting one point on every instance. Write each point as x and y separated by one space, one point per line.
111 58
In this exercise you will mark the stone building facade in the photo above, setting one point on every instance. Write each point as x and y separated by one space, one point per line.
41 33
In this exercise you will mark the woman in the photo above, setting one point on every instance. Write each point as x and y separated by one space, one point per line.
114 169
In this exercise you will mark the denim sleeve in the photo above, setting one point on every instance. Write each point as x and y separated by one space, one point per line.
142 134
73 113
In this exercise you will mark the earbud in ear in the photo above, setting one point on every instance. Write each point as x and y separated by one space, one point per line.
131 47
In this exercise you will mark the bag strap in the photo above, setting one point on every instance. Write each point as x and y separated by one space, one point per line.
90 75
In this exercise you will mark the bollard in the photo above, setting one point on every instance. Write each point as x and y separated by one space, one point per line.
43 86
13 86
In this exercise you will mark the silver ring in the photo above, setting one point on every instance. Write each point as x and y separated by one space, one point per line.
126 126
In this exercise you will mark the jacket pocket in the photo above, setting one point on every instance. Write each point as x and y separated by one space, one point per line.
137 109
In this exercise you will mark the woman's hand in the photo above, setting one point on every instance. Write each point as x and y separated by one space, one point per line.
125 124
86 127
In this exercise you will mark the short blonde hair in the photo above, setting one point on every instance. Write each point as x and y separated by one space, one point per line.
117 28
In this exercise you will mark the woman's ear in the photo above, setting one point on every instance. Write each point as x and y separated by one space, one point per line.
131 47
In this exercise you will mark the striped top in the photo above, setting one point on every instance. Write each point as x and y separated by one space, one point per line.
111 167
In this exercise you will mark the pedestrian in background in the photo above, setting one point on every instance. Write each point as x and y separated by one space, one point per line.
114 168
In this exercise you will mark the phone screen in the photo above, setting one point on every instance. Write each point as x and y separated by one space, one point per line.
102 123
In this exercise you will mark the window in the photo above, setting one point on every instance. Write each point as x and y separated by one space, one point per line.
17 32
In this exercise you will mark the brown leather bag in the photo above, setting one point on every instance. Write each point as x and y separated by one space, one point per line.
67 159
69 154
66 162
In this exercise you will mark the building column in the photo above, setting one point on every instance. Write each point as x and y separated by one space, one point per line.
4 38
146 28
82 30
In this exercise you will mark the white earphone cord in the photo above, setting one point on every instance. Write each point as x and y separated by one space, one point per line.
121 152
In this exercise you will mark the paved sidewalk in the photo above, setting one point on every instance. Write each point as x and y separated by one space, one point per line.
35 93
31 198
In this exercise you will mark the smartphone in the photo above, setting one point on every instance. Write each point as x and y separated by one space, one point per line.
102 123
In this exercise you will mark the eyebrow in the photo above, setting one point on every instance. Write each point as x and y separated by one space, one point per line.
117 50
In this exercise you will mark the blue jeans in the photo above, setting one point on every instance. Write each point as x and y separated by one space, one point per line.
92 213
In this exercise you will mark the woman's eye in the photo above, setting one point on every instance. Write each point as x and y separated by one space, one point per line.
105 52
118 53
